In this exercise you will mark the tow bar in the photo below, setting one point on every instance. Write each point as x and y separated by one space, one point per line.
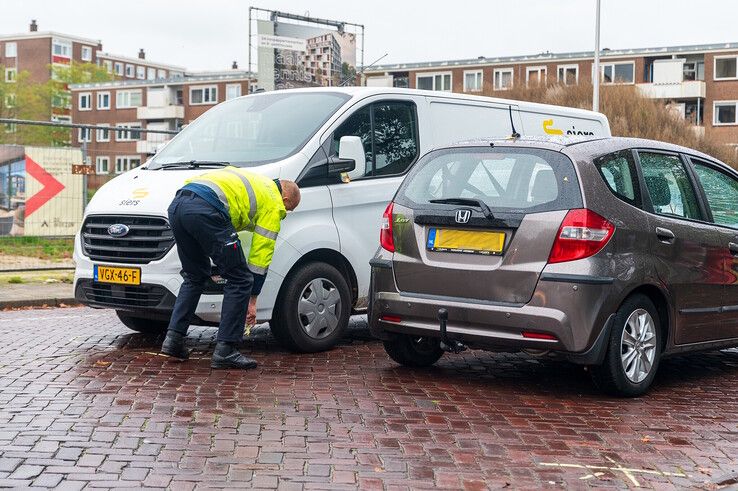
448 345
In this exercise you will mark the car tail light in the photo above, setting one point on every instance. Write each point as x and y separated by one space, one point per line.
583 233
391 318
385 236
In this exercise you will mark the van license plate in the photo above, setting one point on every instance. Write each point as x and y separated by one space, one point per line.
118 276
466 241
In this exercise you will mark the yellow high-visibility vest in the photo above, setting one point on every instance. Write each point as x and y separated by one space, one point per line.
254 204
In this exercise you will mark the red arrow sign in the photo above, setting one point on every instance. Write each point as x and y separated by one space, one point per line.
51 187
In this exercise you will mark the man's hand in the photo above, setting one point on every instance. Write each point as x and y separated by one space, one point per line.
251 313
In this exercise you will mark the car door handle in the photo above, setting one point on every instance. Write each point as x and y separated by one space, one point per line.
665 235
733 248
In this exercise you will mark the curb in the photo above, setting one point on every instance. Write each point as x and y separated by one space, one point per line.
39 302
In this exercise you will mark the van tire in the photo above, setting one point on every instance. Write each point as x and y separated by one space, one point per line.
290 326
142 324
611 376
413 351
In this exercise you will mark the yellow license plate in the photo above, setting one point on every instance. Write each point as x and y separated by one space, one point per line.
469 241
118 276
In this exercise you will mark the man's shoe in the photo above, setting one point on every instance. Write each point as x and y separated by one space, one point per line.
174 346
226 356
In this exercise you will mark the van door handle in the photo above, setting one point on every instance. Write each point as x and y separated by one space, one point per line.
665 235
733 248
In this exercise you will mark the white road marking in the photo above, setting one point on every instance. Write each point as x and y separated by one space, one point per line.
628 472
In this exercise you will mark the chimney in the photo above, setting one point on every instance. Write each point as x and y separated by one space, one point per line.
34 26
234 66
142 54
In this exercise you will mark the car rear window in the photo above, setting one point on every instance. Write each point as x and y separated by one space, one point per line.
510 179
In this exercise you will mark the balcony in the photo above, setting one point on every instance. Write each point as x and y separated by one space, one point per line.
160 112
690 89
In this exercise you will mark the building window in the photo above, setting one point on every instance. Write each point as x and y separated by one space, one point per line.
204 95
618 73
10 127
102 165
725 68
434 81
85 135
130 71
535 75
11 50
130 134
123 164
10 101
10 74
63 101
724 113
118 68
103 101
233 91
85 101
567 74
693 70
161 73
128 98
86 54
102 135
62 49
503 79
473 81
140 72
151 73
108 65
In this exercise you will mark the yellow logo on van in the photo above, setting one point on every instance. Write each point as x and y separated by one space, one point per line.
548 128
140 193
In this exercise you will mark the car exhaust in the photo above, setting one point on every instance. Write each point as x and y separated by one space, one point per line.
448 345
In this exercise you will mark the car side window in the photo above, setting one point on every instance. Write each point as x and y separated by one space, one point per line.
618 170
388 131
721 191
669 186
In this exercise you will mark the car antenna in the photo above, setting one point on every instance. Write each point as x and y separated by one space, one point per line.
515 134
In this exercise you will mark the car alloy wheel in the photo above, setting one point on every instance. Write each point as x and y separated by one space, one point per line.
638 346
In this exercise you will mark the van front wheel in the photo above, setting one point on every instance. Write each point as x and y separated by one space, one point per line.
312 311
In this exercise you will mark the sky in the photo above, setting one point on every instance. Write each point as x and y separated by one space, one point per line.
210 35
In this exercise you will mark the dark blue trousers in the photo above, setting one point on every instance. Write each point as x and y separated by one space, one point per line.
203 233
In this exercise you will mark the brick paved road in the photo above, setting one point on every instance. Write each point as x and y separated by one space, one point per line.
84 402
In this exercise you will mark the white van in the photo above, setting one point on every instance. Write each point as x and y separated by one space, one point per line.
347 148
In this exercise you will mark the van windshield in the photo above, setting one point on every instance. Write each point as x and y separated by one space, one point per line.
252 130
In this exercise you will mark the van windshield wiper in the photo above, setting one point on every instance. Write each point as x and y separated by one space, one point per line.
467 202
194 164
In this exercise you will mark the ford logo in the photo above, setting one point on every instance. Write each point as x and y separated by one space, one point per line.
118 230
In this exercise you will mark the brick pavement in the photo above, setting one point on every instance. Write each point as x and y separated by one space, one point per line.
84 403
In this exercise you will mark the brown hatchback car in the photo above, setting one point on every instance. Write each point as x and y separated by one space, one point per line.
612 252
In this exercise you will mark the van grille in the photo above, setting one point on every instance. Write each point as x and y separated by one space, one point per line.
123 296
148 239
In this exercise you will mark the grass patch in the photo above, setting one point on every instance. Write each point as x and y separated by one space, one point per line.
36 277
15 280
50 248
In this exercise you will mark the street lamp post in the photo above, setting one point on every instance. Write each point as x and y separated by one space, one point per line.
596 68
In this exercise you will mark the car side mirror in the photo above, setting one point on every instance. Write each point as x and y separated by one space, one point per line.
350 148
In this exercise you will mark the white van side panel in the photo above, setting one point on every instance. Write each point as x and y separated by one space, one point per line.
556 122
454 121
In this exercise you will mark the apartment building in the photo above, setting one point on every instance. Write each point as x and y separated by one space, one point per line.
323 60
159 104
699 82
37 52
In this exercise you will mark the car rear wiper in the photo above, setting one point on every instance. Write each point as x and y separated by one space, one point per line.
468 202
194 164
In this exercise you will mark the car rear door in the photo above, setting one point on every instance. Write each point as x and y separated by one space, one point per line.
720 188
449 247
687 250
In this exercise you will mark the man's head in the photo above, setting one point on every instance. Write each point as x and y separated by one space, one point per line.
290 194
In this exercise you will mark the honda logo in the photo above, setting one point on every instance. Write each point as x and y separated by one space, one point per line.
463 216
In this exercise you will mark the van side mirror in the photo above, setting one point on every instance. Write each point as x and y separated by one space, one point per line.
350 149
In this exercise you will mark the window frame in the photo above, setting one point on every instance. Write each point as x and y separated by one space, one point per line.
481 80
539 69
129 91
107 164
100 107
562 80
715 104
433 75
63 44
14 44
240 91
127 166
132 71
126 128
509 70
203 88
612 64
636 176
80 97
84 131
140 72
11 79
119 68
724 169
83 50
714 67
98 132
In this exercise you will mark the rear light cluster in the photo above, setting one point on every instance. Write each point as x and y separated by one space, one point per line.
386 240
583 233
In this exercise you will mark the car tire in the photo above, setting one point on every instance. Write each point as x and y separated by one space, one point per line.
142 324
634 349
413 351
312 310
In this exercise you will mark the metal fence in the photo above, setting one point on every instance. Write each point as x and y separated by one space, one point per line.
48 173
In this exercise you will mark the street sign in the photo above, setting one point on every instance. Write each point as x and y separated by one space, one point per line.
83 169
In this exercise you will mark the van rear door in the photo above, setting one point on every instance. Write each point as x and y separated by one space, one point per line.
479 223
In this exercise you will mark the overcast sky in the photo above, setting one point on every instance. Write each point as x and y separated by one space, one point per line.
209 35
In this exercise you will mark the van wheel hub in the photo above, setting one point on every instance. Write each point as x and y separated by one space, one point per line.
319 308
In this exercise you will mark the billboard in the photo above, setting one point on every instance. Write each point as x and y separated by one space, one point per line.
311 53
